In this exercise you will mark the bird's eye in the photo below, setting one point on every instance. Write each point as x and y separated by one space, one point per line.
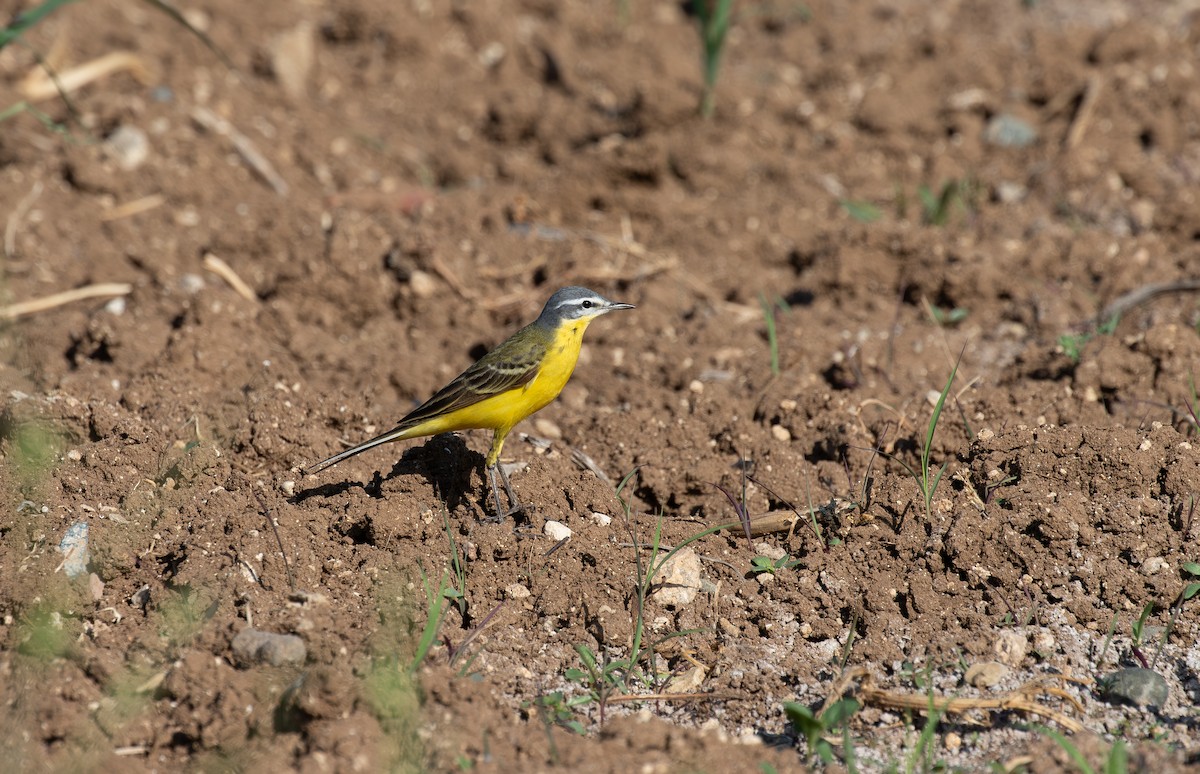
586 304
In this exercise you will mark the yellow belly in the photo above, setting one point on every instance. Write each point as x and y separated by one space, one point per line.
500 412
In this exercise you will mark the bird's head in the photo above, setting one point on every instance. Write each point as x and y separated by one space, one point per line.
576 303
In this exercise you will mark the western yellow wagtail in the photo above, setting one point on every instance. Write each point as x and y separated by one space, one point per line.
517 378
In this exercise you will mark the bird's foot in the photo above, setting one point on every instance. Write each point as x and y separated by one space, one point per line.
515 506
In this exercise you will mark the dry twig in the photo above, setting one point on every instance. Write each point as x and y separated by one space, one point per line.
1142 295
225 272
101 290
1083 116
17 215
1024 699
40 85
135 207
244 146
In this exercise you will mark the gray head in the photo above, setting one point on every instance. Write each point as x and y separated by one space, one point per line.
576 303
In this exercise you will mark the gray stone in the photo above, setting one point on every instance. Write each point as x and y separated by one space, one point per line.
1136 686
1007 131
129 146
251 646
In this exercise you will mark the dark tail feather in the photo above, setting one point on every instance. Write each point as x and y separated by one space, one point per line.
391 435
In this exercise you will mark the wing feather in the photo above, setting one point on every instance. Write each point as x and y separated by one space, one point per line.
504 368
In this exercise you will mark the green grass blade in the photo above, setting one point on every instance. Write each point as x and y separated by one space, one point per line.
928 487
772 337
178 18
433 620
30 18
1070 749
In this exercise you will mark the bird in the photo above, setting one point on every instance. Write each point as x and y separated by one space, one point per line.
518 377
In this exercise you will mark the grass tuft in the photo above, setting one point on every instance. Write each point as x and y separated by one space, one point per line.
714 18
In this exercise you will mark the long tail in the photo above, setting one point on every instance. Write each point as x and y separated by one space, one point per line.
395 434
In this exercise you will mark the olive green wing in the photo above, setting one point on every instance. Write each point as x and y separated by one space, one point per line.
511 365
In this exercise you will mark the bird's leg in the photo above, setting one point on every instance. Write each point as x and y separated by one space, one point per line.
493 466
492 469
514 506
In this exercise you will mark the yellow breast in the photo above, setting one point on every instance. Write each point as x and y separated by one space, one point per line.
558 366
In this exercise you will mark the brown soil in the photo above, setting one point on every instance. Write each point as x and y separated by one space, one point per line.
446 167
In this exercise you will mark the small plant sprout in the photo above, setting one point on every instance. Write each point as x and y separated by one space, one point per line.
714 18
863 212
814 726
765 564
772 337
935 209
945 318
601 679
557 709
927 481
1072 344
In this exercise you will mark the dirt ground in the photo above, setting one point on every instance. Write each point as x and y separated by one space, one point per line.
885 189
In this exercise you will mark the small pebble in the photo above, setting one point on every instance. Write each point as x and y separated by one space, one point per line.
423 285
309 598
1010 193
952 741
74 547
679 579
1010 647
251 646
141 597
74 455
781 433
556 530
292 58
602 519
288 487
492 54
516 591
191 283
774 553
129 146
1007 131
1154 565
96 586
987 674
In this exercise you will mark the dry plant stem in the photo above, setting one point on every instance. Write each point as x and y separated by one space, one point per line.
674 697
1020 700
587 463
17 215
450 278
244 147
224 271
39 85
135 207
101 290
1083 116
1142 295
